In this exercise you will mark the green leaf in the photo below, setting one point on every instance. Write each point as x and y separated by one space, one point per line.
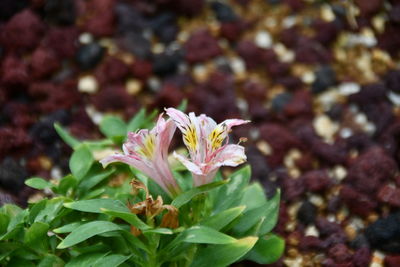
65 136
67 183
185 197
38 183
50 211
35 233
86 260
205 235
271 214
113 127
112 261
4 220
254 196
51 261
231 194
161 231
68 228
91 181
129 217
81 161
220 220
87 231
267 250
223 255
183 105
137 121
95 205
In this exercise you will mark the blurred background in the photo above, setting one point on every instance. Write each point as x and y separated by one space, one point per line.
318 79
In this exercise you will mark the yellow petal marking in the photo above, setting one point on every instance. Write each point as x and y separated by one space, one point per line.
217 136
147 149
190 137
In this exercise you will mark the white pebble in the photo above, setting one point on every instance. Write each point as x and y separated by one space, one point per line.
339 172
263 39
237 65
85 38
346 132
88 84
395 98
311 231
96 116
349 88
325 127
289 21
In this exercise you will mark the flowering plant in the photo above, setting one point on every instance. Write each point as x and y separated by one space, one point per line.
182 213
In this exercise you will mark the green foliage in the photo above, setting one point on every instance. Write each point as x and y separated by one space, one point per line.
89 221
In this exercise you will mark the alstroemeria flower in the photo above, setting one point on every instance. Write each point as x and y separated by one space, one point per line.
207 143
147 151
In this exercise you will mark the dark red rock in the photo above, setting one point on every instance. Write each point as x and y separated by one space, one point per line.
310 52
390 195
112 98
201 46
389 40
326 227
13 141
231 30
310 243
14 71
295 5
278 69
359 203
392 79
326 32
23 31
102 17
280 139
142 69
64 96
62 41
111 70
300 104
371 169
392 260
368 8
254 91
43 62
394 13
362 257
250 53
292 189
168 96
317 180
340 253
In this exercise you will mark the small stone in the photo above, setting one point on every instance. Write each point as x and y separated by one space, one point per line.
263 39
349 88
307 213
12 175
385 233
325 77
223 12
339 172
325 127
88 84
311 231
340 253
133 87
392 261
279 102
88 56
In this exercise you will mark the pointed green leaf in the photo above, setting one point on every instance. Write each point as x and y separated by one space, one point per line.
4 220
92 181
271 214
95 205
113 127
81 161
267 250
230 195
137 121
65 136
38 183
254 196
36 232
112 260
205 235
86 260
223 255
129 217
68 228
51 261
87 231
220 220
161 231
185 197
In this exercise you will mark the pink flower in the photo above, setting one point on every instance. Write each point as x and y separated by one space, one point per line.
147 151
207 143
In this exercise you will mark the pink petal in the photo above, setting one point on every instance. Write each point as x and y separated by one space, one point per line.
230 155
188 164
234 122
